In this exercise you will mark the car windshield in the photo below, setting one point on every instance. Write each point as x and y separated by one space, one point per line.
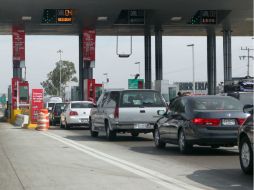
81 105
60 107
215 103
141 98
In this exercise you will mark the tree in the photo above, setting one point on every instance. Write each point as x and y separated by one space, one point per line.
52 84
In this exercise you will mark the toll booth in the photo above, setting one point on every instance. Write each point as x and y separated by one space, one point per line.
98 91
20 93
92 91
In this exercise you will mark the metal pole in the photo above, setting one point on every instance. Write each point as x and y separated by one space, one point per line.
193 63
60 63
139 70
248 71
148 65
193 68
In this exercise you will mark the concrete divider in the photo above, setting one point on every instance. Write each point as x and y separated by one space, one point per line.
21 120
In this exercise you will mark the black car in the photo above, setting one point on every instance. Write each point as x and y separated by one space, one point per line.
245 144
55 114
201 120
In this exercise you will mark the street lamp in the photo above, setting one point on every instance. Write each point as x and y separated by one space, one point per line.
193 67
107 79
60 63
138 67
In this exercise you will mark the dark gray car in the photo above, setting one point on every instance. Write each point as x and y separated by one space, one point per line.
245 144
202 120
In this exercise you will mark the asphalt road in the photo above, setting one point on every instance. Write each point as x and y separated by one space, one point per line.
71 159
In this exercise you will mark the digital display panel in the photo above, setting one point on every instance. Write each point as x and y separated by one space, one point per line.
204 17
131 17
57 16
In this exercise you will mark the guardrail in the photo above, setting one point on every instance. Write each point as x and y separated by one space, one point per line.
21 120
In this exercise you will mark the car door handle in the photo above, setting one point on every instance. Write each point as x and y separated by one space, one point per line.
142 111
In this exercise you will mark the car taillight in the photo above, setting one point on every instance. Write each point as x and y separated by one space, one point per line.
73 113
206 121
116 113
240 121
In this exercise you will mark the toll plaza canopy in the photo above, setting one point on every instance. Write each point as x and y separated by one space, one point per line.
116 17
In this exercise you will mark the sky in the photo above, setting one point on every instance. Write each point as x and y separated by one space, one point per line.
41 56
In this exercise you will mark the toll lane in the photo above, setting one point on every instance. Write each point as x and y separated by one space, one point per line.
71 159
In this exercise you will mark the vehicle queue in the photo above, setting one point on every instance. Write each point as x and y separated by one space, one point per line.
210 120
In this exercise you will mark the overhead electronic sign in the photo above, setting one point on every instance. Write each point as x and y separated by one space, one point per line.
131 17
57 16
204 17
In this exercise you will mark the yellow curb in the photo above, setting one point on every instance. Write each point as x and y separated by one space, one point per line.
30 126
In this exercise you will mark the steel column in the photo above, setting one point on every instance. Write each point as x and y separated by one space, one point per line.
81 76
148 65
85 71
158 54
211 61
227 55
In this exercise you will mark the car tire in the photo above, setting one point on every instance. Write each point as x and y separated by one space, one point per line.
246 155
93 133
157 140
111 135
67 126
134 134
61 124
184 146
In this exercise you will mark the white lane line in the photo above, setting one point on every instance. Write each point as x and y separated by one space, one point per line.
161 179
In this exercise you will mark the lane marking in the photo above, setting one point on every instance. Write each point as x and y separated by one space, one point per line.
151 175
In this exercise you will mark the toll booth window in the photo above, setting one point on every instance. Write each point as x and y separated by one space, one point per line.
23 93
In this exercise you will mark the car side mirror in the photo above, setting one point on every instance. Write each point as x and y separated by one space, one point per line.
161 112
248 108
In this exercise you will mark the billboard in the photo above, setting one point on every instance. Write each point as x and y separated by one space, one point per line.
36 104
18 40
89 45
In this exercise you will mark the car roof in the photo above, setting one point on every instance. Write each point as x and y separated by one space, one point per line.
81 102
205 96
126 90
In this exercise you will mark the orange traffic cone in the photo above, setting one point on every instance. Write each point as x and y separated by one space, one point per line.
43 120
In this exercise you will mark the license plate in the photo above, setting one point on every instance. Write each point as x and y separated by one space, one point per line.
228 121
141 126
83 120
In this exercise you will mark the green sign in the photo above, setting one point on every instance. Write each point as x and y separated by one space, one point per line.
3 99
135 83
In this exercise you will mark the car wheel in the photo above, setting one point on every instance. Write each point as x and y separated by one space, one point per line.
61 124
67 126
246 155
111 135
157 139
183 145
134 134
93 133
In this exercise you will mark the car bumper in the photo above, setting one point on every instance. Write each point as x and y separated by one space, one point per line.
130 127
212 137
78 121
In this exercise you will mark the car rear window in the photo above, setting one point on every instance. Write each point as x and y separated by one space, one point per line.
216 103
141 98
60 107
82 105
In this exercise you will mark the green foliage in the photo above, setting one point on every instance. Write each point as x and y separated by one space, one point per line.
52 84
